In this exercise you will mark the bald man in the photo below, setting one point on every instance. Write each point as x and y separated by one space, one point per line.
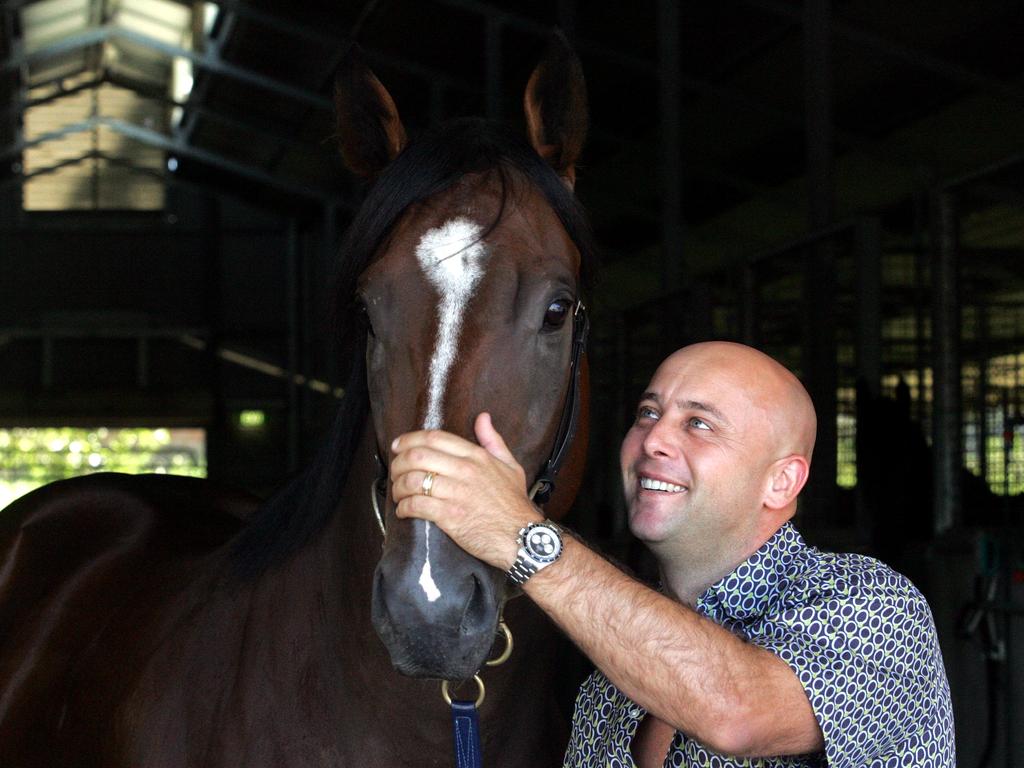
756 646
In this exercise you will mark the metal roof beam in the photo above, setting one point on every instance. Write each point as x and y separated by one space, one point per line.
109 32
152 94
690 83
145 92
211 48
298 29
22 178
162 141
294 28
18 107
917 58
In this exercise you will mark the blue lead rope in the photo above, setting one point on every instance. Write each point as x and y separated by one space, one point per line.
466 729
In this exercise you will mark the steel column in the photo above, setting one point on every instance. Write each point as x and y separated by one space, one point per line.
819 277
291 291
945 354
869 303
673 264
868 290
213 315
749 305
492 53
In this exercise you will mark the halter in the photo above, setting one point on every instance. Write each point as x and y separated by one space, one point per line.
544 484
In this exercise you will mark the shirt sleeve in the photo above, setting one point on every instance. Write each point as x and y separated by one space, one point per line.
865 650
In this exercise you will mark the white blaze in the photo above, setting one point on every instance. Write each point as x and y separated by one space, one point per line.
452 257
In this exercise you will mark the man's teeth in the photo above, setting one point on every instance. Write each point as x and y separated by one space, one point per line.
660 485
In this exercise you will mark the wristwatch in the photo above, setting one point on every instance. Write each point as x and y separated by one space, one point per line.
540 544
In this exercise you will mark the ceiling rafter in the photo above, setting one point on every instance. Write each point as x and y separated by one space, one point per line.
298 29
702 86
110 32
918 58
212 48
153 94
162 141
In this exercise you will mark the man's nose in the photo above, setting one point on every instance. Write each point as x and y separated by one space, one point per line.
659 441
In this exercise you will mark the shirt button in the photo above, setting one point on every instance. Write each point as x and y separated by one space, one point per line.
635 712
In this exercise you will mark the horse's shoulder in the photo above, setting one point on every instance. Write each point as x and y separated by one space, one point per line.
99 532
93 540
85 557
110 504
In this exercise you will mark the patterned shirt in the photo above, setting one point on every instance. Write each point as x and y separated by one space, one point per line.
859 637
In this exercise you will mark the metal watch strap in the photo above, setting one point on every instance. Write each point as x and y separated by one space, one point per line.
521 570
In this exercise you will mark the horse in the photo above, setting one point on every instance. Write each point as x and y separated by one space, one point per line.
160 621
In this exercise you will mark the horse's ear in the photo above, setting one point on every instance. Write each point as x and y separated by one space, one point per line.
556 107
370 132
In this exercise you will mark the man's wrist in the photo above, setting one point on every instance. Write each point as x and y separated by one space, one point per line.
539 546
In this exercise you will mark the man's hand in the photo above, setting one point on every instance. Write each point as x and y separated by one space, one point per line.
478 496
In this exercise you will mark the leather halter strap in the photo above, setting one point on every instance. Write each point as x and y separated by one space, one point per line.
544 484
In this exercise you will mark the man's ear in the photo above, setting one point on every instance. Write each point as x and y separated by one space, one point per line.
786 479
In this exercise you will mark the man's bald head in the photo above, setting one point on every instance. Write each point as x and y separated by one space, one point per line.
770 387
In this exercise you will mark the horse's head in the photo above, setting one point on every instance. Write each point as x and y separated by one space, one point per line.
469 302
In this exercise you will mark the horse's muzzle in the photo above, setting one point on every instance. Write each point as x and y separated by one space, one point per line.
437 622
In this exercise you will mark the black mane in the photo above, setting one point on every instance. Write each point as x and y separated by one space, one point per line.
426 167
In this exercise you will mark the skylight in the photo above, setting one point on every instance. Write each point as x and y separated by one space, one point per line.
103 81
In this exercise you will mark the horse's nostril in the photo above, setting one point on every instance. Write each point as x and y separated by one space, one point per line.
477 616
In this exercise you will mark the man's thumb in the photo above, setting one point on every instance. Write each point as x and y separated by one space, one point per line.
489 438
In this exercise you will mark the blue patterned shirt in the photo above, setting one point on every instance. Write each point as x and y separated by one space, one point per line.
859 637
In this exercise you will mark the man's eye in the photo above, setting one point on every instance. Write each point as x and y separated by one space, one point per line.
646 412
699 423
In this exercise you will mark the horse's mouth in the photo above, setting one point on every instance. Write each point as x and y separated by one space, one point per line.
431 659
436 650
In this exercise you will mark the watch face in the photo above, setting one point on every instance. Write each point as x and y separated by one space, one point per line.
543 543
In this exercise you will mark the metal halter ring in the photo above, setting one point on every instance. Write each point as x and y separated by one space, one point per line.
428 483
376 510
446 695
498 661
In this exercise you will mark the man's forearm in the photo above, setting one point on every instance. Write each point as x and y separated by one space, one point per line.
680 666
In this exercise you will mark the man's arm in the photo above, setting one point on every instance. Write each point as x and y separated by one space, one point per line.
683 668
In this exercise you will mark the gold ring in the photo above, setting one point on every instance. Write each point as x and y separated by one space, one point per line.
497 662
446 694
428 483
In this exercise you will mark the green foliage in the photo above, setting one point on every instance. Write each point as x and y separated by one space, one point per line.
31 457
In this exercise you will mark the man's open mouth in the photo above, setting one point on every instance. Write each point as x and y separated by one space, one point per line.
650 484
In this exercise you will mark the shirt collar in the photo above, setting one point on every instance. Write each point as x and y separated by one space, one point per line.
755 583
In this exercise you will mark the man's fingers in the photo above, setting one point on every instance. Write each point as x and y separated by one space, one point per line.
426 459
491 440
436 439
415 483
419 506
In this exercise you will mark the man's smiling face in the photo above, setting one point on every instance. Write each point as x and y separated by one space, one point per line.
695 462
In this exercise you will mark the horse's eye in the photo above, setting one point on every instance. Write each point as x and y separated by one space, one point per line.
558 310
